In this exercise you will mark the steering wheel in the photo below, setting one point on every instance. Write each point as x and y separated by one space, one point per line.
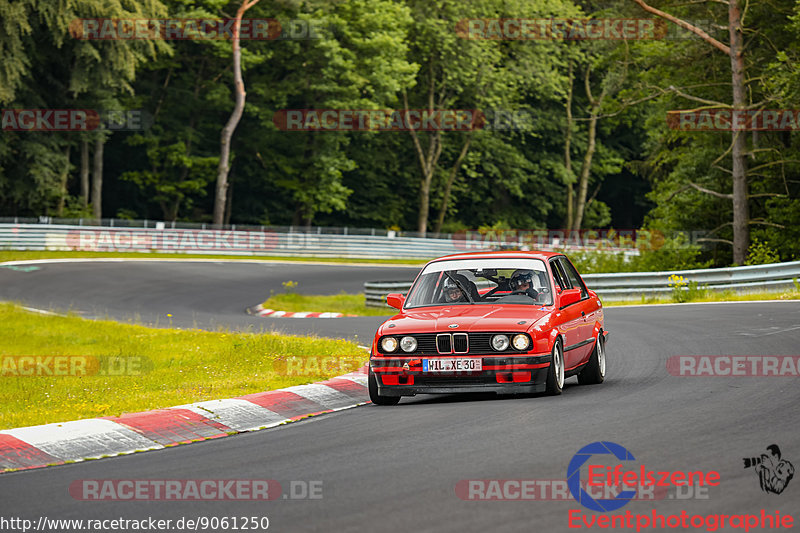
530 292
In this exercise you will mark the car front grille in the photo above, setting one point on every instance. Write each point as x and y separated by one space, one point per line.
460 343
443 344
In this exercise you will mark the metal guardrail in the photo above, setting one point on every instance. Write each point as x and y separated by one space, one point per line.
120 235
256 241
635 285
375 291
162 225
112 235
627 285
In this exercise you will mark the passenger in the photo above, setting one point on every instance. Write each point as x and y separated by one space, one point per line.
452 293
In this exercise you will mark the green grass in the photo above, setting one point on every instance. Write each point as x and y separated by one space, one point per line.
348 304
353 304
712 296
11 255
177 366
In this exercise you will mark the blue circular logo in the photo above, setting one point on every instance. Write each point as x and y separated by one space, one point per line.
574 477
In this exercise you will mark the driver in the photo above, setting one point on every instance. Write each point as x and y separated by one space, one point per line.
452 293
522 283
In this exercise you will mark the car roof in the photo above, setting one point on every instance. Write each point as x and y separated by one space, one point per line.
544 256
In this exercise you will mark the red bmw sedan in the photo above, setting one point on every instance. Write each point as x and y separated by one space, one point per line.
503 322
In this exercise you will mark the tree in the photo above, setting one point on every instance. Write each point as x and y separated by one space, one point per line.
357 61
466 73
49 68
741 227
227 132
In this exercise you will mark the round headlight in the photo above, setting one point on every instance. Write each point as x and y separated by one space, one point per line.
521 342
408 344
499 342
389 344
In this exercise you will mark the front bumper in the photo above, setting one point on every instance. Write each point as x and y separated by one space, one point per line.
403 376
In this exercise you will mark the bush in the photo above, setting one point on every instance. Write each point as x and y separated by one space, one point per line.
673 254
685 291
760 253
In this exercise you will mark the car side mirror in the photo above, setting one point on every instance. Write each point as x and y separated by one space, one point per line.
396 300
569 297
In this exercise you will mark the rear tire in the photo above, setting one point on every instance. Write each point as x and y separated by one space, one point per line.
595 370
376 398
555 374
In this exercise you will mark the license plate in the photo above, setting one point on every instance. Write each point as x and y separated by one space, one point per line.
451 365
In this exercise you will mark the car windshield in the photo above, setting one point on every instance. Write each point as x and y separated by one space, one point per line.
482 282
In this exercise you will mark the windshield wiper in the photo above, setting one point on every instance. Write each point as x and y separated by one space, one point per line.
460 286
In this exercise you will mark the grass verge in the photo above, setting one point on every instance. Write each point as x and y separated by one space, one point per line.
11 255
348 304
711 296
354 303
162 367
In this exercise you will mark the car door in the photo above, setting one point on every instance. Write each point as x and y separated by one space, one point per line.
587 308
570 321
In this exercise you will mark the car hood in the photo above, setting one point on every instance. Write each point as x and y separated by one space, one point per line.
466 317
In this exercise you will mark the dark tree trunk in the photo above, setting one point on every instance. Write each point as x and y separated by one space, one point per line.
97 179
84 173
741 212
227 132
62 198
568 154
229 203
449 185
741 209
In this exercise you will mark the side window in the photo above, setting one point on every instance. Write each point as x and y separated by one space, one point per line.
573 277
558 275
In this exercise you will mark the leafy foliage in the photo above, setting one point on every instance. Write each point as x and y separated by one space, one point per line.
370 54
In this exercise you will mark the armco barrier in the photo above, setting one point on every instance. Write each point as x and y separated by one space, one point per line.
628 285
375 291
634 285
257 241
289 243
112 235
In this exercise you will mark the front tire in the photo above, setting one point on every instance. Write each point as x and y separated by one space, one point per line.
376 398
555 374
595 370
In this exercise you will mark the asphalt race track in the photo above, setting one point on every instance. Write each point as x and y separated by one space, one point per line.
206 295
396 468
